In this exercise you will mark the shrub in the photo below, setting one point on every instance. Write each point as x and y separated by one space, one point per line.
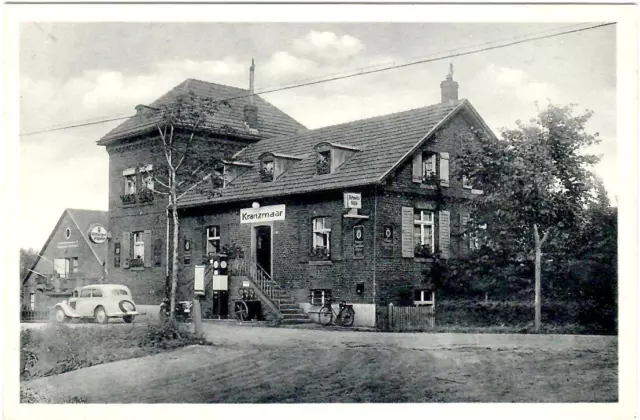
60 348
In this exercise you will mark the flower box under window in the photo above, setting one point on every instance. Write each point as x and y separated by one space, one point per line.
319 253
266 173
128 198
423 251
145 196
136 263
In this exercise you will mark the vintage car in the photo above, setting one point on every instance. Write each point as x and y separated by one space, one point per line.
99 302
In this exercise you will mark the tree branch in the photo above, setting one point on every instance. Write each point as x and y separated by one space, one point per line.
206 178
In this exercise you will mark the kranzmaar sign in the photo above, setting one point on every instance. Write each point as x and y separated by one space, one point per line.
262 214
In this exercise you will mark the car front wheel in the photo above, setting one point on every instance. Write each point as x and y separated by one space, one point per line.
61 316
101 316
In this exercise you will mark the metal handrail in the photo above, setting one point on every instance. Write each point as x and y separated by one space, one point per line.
260 277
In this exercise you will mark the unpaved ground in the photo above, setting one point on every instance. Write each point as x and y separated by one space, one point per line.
257 364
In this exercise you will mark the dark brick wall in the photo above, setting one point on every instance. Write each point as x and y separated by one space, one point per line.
293 269
147 285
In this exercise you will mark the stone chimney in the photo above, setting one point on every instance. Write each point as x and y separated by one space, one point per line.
449 88
251 110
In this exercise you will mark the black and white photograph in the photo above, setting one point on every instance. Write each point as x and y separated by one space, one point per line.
251 210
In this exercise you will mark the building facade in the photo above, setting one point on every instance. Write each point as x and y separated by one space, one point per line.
355 212
73 255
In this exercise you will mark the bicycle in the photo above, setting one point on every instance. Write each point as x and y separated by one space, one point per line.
344 317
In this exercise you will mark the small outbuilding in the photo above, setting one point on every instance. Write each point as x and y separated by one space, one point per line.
73 255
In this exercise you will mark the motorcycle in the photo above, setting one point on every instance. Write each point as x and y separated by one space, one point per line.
182 310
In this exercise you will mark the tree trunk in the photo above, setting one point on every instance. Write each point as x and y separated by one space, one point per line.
538 303
538 275
174 257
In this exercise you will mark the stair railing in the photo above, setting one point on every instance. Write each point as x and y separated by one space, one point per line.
260 277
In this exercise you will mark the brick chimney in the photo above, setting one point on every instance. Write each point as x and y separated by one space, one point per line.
449 87
251 110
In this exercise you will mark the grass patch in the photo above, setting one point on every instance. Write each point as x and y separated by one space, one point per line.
59 348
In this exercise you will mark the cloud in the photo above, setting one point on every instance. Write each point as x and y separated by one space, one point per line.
328 45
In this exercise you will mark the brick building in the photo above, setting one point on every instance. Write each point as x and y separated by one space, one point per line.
73 255
354 211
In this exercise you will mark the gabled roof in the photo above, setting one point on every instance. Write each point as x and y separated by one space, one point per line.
83 219
384 142
271 120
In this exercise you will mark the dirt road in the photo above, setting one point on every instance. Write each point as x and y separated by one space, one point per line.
259 364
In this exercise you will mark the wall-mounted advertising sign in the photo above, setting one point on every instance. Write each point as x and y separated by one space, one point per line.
352 200
387 240
187 251
98 234
358 241
198 285
263 214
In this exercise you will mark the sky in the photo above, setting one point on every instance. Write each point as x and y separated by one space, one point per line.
65 80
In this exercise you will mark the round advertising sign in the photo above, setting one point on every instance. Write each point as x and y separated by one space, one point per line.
98 234
223 264
387 233
359 233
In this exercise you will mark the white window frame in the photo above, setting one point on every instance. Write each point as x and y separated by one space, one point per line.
147 180
138 244
66 267
321 234
32 301
429 160
324 295
466 183
213 235
425 223
130 184
423 294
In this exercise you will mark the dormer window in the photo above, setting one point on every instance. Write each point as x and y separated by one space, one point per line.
266 170
233 169
272 165
323 164
329 156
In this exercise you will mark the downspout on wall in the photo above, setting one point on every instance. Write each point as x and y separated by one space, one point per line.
375 244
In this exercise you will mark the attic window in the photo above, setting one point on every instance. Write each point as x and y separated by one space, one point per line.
323 164
266 170
329 156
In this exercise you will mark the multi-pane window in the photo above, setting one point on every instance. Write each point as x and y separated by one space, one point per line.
138 245
65 267
320 296
423 229
130 184
466 183
428 165
423 296
147 181
323 164
321 233
213 239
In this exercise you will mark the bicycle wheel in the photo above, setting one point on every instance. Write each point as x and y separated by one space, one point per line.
347 318
242 311
325 315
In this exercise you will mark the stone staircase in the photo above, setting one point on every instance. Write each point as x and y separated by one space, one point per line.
275 299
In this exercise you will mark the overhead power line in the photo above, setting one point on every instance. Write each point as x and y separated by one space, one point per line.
362 72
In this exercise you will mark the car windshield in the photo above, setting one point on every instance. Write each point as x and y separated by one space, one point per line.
119 292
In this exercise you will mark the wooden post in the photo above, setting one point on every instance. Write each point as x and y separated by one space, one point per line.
390 316
197 315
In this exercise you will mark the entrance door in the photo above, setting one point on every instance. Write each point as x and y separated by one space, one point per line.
263 247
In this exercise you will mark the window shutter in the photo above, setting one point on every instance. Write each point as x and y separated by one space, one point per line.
444 169
146 238
225 237
125 252
417 167
444 231
407 232
336 237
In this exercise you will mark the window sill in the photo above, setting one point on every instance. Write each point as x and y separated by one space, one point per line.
428 186
136 268
422 259
321 262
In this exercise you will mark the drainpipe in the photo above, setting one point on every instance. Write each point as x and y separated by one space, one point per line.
375 230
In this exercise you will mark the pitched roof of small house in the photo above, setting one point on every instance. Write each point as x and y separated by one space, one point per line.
83 219
271 120
384 143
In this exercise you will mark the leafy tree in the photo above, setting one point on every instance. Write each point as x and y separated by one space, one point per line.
27 258
536 187
186 156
